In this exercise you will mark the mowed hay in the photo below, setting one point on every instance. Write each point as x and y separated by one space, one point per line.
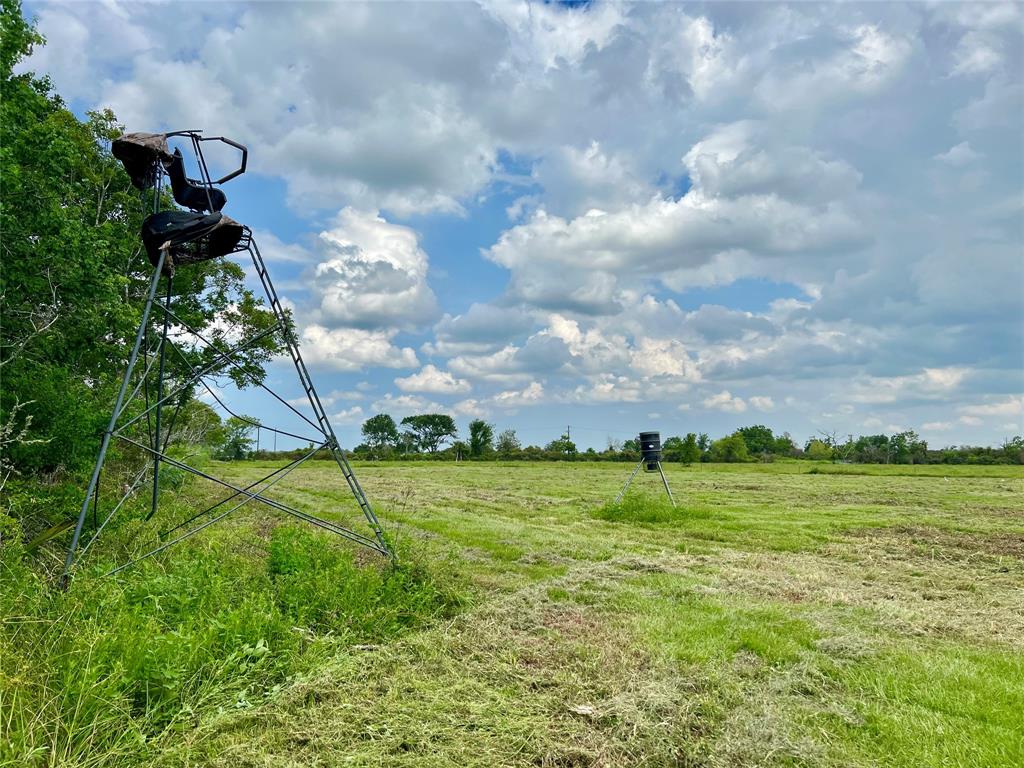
774 618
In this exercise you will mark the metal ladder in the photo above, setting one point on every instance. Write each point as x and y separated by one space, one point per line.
311 393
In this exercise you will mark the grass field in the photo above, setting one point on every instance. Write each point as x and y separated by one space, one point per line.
786 614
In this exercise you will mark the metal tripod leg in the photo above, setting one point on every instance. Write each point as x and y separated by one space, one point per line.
630 480
69 560
665 481
160 395
626 486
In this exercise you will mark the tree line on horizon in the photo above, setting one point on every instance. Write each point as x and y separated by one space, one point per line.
436 436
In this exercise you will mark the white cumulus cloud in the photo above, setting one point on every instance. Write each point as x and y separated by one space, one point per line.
725 401
373 273
353 349
431 379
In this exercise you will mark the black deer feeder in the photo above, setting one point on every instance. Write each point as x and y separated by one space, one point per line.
650 461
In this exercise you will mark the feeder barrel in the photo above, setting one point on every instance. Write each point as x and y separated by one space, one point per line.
650 449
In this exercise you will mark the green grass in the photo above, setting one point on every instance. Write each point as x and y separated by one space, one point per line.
93 675
648 509
784 614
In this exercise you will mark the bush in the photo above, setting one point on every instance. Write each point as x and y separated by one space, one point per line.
114 663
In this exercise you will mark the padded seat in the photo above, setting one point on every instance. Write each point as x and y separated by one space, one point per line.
192 196
193 237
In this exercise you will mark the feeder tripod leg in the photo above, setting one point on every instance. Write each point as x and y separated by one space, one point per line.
626 486
665 481
160 396
69 560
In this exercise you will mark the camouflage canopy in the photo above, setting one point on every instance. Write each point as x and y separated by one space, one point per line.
142 154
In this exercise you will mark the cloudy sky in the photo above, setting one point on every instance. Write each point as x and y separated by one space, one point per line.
610 216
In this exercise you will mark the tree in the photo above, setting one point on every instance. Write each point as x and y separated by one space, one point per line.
691 451
672 448
430 430
730 449
907 448
784 445
563 446
238 439
406 443
508 444
1013 450
871 449
818 450
380 433
481 437
198 424
759 439
460 449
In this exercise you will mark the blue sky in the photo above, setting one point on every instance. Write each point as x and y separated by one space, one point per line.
611 216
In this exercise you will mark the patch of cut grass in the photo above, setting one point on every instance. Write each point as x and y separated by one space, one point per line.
682 622
778 618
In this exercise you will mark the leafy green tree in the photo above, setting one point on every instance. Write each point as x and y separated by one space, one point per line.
238 439
74 274
680 449
907 448
430 430
380 433
690 452
759 439
672 448
871 449
460 449
407 443
563 446
818 450
508 444
198 424
784 445
730 449
1013 450
481 437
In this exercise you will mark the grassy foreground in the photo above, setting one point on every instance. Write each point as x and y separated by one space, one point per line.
845 617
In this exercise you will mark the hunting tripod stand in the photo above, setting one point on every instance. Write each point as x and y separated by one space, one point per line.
174 238
650 454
